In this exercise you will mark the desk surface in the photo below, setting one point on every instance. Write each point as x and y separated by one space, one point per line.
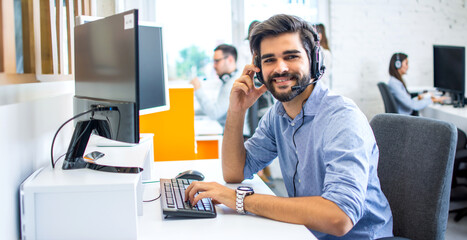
448 113
206 126
227 225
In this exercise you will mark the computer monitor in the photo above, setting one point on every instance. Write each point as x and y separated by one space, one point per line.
120 73
153 80
449 70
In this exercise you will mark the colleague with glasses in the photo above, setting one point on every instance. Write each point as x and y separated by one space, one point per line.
225 65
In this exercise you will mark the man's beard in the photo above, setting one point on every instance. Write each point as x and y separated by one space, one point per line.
291 94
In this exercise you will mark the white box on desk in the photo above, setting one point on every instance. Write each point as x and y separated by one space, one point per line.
80 204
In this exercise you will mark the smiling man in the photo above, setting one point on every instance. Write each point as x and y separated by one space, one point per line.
326 148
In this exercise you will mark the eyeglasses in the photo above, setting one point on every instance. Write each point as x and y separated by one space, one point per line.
220 59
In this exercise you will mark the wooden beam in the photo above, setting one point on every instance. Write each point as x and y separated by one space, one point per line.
8 32
70 34
28 36
44 39
77 8
58 34
2 62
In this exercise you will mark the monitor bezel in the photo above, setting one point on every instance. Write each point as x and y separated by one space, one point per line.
166 79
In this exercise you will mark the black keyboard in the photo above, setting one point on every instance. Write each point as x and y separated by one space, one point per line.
173 200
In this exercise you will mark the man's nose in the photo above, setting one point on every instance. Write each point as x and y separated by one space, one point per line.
281 66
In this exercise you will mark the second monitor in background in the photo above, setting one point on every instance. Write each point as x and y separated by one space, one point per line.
449 71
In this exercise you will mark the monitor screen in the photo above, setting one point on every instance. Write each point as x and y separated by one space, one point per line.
107 73
153 92
449 68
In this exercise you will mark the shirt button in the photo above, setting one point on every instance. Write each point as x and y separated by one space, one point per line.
296 151
299 180
293 124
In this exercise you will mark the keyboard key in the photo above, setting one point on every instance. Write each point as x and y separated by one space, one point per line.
200 206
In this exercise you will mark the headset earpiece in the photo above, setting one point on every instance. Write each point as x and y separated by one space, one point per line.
317 64
259 75
225 77
397 63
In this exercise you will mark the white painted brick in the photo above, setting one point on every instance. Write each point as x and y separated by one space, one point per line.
363 34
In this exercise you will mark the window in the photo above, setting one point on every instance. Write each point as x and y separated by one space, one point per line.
193 29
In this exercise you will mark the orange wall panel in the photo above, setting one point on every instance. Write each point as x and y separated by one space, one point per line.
207 149
174 130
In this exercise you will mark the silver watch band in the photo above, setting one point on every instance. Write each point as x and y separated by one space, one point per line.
239 202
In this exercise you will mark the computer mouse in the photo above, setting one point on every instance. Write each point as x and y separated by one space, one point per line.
191 174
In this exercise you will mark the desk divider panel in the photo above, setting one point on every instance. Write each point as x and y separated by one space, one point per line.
174 130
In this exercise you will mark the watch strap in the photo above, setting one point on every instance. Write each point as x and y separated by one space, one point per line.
239 204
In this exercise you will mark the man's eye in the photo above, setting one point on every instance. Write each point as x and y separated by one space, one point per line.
291 57
267 60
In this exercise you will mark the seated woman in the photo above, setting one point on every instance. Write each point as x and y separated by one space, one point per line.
405 103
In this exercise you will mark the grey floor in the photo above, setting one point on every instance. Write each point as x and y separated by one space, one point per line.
455 230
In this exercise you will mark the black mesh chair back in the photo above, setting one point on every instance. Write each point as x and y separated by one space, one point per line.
388 98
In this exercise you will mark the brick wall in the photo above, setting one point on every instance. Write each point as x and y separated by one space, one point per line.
364 34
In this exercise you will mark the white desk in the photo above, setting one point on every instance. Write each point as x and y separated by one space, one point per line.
227 225
457 116
85 203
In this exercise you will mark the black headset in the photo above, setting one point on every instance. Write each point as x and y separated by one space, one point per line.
227 76
398 62
316 62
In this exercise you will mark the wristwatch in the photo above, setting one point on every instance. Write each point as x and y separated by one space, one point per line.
242 192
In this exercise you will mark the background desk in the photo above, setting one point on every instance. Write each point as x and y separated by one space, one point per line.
227 225
208 138
457 116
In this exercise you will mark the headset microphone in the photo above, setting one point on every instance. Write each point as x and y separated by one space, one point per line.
302 87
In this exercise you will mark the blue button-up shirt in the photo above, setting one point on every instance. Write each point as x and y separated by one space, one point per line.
405 104
331 148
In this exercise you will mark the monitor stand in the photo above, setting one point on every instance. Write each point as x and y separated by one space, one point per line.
459 100
79 141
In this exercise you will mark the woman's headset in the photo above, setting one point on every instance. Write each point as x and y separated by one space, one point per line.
398 62
316 65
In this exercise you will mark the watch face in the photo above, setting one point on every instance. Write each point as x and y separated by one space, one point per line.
245 188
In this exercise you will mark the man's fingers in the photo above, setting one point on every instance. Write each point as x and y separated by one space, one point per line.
200 196
242 86
250 70
262 89
192 190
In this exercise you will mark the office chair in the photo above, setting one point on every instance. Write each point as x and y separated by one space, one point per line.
415 170
459 189
388 99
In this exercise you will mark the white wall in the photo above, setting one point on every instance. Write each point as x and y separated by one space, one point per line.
365 33
30 114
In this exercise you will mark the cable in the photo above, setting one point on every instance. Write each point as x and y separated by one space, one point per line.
295 146
119 118
155 181
152 200
59 158
110 125
95 108
60 128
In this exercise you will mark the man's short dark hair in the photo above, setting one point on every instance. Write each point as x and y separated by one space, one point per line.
227 50
279 24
